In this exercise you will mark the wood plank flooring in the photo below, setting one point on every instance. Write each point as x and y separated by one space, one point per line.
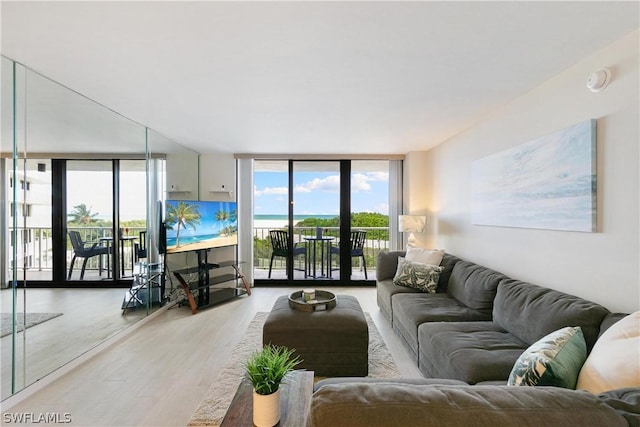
90 316
158 374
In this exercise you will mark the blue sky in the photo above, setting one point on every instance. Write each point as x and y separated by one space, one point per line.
319 192
94 189
314 193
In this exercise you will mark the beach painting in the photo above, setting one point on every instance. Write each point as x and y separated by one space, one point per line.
548 183
196 225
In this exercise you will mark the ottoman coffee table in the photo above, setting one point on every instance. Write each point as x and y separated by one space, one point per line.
332 343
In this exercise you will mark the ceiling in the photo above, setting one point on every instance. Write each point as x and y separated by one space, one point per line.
307 77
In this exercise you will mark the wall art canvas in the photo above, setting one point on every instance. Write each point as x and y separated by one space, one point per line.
548 183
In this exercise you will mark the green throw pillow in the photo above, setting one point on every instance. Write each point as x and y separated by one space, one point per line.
417 275
554 360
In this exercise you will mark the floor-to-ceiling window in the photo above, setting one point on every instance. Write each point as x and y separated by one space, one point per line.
319 220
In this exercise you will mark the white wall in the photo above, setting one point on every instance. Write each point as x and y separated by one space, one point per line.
217 177
602 266
182 176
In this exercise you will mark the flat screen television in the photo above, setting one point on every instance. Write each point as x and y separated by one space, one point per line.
197 225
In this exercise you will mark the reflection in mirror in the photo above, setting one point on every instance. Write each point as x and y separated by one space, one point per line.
78 166
171 166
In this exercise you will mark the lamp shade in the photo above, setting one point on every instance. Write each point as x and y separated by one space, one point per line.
411 223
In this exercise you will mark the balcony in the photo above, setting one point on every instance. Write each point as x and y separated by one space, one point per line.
37 262
377 240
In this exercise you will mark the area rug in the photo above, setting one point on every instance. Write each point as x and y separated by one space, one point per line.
213 407
32 320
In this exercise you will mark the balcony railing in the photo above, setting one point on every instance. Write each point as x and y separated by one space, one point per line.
38 254
377 240
36 245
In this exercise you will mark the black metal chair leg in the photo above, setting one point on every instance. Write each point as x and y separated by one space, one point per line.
271 265
73 260
84 264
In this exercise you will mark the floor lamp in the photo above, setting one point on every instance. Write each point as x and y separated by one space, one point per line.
411 224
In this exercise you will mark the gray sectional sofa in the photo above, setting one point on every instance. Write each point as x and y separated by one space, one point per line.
480 321
465 339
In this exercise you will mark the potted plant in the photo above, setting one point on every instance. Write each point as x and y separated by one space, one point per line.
266 369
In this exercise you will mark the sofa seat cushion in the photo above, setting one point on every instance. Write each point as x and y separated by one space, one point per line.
385 289
468 351
518 303
372 405
386 270
411 310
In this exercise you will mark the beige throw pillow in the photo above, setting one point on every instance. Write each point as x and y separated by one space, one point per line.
614 361
424 256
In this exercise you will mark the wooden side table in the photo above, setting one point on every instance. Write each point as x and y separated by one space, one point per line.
295 400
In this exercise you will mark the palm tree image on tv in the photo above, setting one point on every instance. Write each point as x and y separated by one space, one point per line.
183 215
199 225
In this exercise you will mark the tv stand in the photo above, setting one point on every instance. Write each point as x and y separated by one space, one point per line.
206 286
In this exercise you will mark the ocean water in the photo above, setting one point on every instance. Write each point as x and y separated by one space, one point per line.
277 221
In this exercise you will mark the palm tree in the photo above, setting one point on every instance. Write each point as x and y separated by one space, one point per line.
182 215
222 216
82 215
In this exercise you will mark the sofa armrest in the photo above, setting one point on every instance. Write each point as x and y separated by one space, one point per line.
372 405
387 264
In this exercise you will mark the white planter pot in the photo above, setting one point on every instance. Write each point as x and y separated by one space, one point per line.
266 409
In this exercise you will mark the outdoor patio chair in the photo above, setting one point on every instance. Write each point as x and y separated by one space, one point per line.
356 245
280 244
85 250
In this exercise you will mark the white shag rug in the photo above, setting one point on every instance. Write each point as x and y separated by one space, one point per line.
213 407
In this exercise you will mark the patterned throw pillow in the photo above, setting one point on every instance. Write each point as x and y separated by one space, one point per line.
417 275
554 360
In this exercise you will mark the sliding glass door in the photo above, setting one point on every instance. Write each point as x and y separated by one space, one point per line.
89 220
316 215
317 220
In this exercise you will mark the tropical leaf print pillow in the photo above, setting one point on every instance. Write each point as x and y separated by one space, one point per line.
417 275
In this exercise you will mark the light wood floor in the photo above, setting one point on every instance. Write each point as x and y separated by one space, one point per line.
89 317
157 375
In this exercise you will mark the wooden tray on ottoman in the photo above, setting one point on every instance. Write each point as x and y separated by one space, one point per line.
325 300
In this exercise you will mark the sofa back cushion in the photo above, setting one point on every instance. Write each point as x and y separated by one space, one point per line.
387 264
448 261
473 285
530 312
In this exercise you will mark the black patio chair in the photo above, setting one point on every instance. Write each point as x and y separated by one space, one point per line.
280 244
356 247
85 250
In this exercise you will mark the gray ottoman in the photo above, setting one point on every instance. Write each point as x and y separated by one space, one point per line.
332 343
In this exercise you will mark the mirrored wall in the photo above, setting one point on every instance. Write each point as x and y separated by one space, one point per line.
82 190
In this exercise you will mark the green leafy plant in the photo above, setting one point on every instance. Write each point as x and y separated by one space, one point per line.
266 368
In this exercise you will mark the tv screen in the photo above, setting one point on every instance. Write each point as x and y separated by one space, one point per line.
192 226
